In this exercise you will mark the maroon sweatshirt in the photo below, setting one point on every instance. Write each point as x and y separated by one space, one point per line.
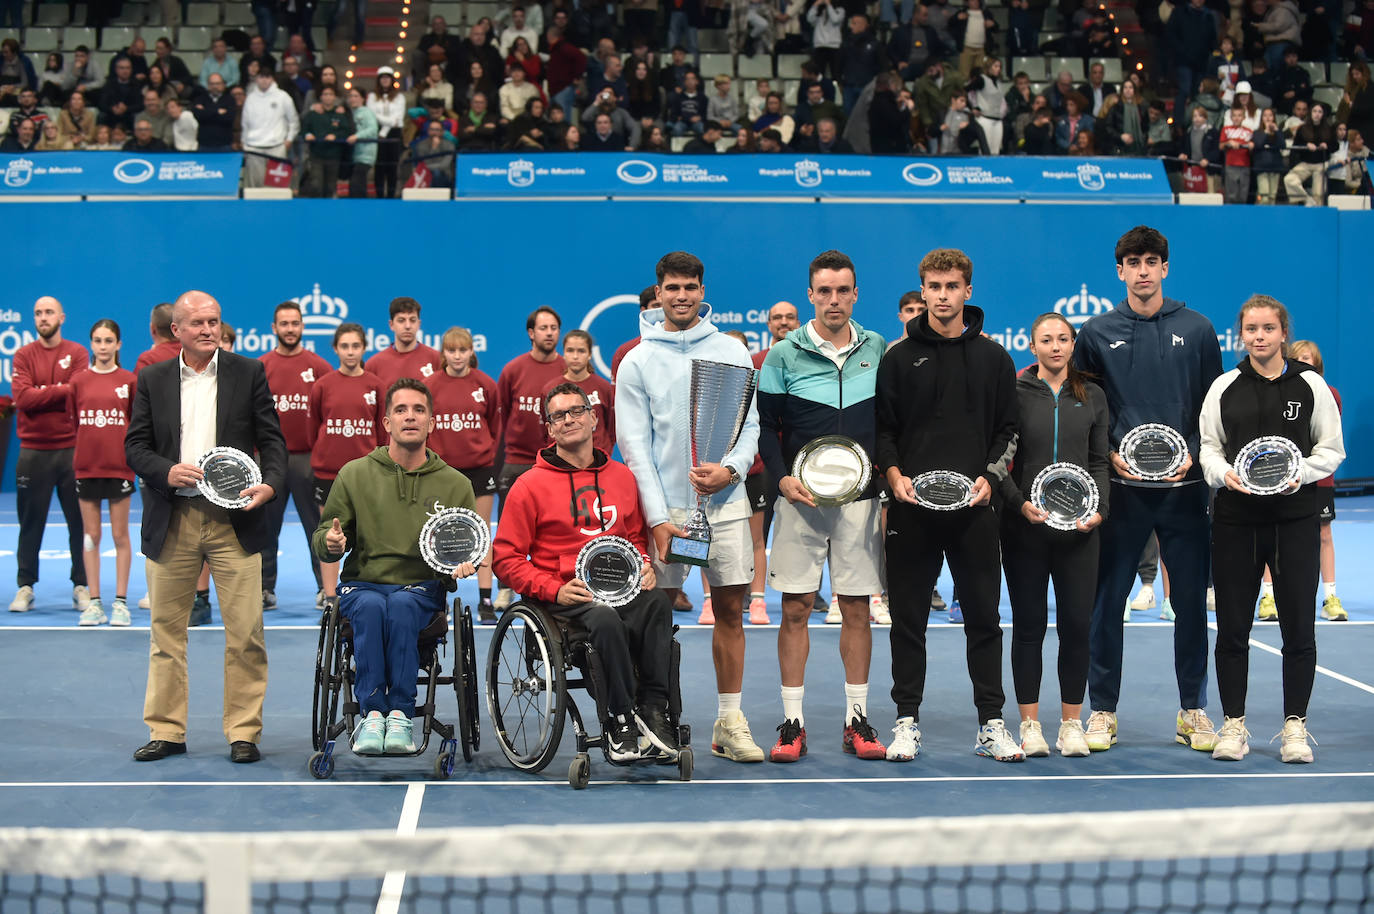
42 393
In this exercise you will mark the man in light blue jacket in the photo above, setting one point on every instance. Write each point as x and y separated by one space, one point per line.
653 393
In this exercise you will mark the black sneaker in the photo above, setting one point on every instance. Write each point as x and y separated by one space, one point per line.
486 613
269 600
622 740
655 721
200 611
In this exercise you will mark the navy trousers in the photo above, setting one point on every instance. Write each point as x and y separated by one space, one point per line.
386 620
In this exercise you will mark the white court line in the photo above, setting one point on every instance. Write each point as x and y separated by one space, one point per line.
393 885
931 779
1325 671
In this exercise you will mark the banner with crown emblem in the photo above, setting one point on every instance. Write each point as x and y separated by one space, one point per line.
119 173
815 176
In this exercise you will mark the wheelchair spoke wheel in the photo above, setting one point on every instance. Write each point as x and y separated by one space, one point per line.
465 683
324 702
525 689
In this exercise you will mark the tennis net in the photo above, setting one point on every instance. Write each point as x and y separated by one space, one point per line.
1293 858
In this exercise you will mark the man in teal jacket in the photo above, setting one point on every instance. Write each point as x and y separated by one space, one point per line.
386 590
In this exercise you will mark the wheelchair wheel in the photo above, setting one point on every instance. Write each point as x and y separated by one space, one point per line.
465 681
684 764
525 688
580 771
325 702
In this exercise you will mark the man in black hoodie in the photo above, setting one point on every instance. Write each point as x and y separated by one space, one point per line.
946 401
1155 359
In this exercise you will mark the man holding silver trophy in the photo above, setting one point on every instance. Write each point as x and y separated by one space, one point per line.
816 394
572 542
688 430
1155 358
946 417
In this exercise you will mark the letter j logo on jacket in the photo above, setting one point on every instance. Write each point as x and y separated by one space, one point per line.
1291 413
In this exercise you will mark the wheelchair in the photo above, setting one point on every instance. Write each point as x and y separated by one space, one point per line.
335 709
535 662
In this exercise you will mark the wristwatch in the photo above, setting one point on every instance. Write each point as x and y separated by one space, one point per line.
734 476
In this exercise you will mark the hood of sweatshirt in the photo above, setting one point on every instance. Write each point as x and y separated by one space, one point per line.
548 459
407 481
951 365
653 326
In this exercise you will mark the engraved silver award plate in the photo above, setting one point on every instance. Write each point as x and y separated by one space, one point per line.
610 566
1066 493
1153 451
943 490
452 537
719 403
1269 465
835 470
228 471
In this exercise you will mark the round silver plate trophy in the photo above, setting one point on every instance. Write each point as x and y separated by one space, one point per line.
1268 465
228 471
1066 493
610 567
943 490
1153 451
720 398
835 470
453 536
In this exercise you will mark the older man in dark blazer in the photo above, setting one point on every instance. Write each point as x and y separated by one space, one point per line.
204 398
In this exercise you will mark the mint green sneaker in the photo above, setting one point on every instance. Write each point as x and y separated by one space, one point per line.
119 613
93 614
398 734
370 734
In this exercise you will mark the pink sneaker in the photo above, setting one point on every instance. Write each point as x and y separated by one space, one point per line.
707 617
758 611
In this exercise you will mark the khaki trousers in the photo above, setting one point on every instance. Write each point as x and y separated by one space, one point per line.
199 531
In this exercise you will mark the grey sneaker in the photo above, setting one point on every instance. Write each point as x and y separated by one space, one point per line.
81 597
93 614
23 600
119 613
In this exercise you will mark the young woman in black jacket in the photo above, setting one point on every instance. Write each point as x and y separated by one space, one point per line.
1063 418
1267 394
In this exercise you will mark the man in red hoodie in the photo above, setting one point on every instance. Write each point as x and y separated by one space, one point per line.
43 371
573 494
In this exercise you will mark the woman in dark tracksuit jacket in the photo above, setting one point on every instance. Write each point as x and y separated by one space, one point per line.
1267 394
1063 418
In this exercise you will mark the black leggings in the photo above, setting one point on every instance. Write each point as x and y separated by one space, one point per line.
1292 550
388 157
1032 556
917 540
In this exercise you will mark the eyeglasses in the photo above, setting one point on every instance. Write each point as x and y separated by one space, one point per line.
575 412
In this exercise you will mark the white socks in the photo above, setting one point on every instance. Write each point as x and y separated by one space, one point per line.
855 701
1266 588
1328 589
725 702
792 704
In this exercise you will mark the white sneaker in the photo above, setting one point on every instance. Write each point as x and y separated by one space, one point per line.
995 742
81 597
1145 599
145 602
93 614
504 598
319 600
1193 728
1101 733
1126 615
119 613
398 738
833 616
369 737
1233 742
1166 612
906 741
23 600
1294 747
878 612
1072 743
1211 599
730 738
1033 740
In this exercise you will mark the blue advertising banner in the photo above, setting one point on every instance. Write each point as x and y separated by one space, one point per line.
604 174
94 173
486 266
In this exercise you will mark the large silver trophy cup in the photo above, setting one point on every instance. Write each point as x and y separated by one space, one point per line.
720 398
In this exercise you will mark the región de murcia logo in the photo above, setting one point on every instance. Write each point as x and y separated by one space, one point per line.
100 418
292 403
348 428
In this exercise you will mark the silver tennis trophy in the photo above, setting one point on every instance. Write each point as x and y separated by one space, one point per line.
452 537
1153 451
1269 465
720 398
943 490
1066 493
228 471
834 468
610 566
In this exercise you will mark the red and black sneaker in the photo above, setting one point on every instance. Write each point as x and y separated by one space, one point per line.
862 740
791 744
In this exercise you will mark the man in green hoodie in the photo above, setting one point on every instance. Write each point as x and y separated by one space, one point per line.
387 592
